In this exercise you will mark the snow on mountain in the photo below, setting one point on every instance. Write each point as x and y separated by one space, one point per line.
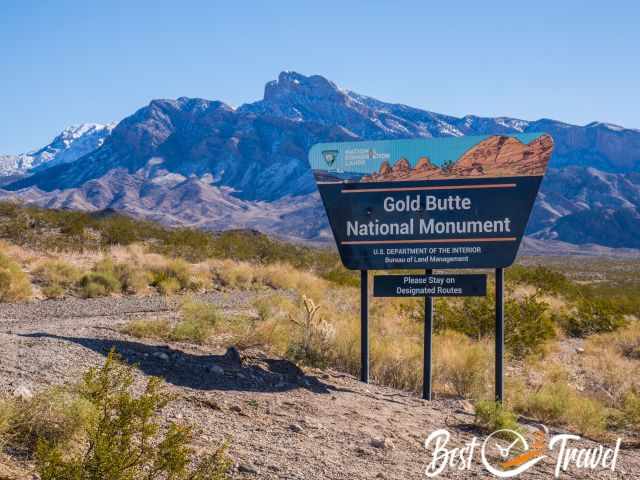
73 143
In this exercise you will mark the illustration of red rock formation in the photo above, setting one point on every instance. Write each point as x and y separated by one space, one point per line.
501 156
497 156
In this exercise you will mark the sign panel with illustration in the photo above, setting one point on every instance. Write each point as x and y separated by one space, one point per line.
458 202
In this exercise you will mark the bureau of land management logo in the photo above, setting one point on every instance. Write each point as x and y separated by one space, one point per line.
330 156
508 453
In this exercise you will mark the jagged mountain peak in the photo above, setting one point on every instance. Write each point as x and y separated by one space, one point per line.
291 85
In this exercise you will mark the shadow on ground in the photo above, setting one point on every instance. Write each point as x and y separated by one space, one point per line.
204 372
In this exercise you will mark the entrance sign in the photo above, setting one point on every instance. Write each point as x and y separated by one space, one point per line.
448 203
458 202
430 286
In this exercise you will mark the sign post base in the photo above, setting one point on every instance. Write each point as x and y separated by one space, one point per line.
364 326
428 344
499 334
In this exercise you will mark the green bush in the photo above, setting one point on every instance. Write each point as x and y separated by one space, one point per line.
168 286
543 278
14 283
341 276
55 415
461 364
631 411
474 316
557 402
591 315
133 278
173 276
198 321
57 277
147 328
527 326
493 416
124 440
98 284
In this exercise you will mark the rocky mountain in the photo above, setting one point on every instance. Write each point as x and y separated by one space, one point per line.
496 156
204 163
73 143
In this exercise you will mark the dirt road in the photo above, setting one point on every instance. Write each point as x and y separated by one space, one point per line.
281 422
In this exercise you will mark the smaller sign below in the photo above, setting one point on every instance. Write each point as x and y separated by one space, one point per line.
430 285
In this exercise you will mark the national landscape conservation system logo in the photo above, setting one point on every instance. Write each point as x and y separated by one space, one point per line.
507 453
330 156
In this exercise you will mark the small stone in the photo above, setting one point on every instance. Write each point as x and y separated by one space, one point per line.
467 407
232 355
216 370
579 350
294 427
23 393
247 468
383 443
162 356
235 408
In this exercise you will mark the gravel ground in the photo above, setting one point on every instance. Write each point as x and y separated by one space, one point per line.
281 422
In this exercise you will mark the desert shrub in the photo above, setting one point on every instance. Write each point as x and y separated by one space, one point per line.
341 276
98 284
14 283
461 365
119 230
314 335
57 277
588 416
168 286
527 326
124 440
233 274
543 278
190 244
7 409
625 341
549 403
133 278
171 274
493 416
148 328
55 415
607 374
474 316
590 316
631 411
198 322
557 402
283 276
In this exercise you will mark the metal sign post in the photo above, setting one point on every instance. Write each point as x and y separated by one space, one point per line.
364 326
425 203
428 344
499 334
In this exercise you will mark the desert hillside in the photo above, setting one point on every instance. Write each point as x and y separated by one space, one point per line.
256 342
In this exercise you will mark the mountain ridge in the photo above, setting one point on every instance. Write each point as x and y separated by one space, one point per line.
213 156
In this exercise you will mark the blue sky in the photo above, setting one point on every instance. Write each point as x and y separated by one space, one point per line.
63 63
